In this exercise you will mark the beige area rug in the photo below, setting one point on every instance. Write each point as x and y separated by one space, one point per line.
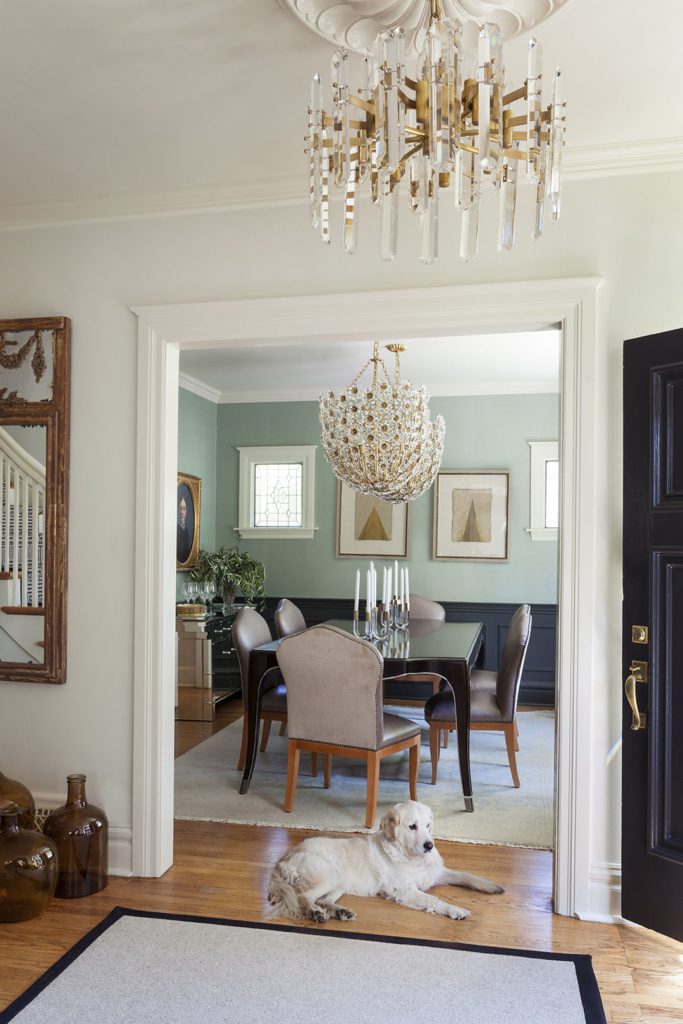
207 786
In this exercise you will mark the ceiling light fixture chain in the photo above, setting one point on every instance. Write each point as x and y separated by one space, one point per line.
379 437
454 126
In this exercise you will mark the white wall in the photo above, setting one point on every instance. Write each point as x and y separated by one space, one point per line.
626 229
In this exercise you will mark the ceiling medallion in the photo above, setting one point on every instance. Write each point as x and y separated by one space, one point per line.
454 124
356 25
378 436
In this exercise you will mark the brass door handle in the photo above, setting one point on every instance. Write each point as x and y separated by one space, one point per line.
638 721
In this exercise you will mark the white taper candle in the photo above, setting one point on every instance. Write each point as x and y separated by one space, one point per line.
407 590
356 598
395 578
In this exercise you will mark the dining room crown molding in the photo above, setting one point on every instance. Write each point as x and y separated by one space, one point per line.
580 163
357 25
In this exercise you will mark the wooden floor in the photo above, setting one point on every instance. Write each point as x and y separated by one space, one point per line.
222 870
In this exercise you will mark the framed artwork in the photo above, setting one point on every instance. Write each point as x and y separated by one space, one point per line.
368 527
471 515
189 503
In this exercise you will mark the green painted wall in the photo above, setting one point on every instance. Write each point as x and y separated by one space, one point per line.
482 432
197 424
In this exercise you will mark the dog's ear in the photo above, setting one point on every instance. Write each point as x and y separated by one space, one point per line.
389 824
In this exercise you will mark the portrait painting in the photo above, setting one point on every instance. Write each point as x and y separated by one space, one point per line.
188 508
471 515
368 527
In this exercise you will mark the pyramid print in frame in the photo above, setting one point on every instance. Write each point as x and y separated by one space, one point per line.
471 515
368 527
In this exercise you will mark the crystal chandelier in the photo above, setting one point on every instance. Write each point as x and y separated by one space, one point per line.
454 124
378 436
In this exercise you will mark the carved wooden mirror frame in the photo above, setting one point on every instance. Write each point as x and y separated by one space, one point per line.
52 412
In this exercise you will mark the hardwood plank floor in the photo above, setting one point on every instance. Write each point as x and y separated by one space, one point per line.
223 870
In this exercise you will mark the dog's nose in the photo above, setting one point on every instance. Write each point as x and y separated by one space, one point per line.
428 845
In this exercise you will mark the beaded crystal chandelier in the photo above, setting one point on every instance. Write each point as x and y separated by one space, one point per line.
453 124
378 436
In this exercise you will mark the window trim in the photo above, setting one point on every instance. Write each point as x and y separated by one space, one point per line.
541 452
275 454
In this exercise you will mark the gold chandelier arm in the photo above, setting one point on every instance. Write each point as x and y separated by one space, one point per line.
357 101
435 14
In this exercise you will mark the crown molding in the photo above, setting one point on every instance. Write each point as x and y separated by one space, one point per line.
544 387
649 156
198 387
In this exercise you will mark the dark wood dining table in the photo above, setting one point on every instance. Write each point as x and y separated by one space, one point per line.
448 649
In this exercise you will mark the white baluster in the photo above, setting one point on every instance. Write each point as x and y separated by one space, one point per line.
24 540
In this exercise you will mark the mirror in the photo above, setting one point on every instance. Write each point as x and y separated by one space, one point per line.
34 446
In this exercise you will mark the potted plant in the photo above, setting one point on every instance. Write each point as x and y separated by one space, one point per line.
230 569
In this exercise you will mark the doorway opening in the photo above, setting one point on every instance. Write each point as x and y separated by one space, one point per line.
164 331
499 397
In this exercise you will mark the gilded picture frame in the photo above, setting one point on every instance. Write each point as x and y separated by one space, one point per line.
188 509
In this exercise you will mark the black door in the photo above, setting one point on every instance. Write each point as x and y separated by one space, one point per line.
652 797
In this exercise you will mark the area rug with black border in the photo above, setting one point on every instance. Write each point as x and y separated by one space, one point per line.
140 967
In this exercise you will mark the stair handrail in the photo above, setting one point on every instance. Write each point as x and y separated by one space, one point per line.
30 466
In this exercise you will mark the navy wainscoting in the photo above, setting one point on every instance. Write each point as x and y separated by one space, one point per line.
538 681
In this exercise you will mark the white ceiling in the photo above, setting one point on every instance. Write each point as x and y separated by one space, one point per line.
473 365
204 101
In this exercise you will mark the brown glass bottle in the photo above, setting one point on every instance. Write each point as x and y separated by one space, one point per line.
28 868
14 792
81 833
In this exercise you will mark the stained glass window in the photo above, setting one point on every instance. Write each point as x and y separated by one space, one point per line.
278 494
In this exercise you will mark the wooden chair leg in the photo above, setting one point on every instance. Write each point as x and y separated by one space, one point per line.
293 756
445 738
414 768
434 741
283 726
328 770
242 759
266 733
516 735
373 786
314 763
510 744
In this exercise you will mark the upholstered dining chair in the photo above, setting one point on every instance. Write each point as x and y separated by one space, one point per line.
423 608
334 699
288 618
250 630
492 707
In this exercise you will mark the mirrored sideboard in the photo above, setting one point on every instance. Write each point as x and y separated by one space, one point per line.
207 666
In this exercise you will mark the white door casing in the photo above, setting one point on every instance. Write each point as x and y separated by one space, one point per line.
164 330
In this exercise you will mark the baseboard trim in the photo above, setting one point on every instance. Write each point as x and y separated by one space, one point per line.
120 836
604 894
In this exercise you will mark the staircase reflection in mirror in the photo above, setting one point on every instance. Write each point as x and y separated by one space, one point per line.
23 450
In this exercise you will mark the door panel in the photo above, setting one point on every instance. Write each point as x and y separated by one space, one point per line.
652 798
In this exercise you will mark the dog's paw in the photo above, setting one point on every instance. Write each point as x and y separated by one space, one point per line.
319 915
343 914
457 913
490 887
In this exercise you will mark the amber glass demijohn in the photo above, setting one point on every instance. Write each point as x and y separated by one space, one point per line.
28 868
14 792
81 833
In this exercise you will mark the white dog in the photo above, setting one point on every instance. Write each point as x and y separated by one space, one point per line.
398 863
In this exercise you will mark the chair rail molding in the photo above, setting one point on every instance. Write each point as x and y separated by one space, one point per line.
326 319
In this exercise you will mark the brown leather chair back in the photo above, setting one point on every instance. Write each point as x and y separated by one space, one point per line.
288 618
249 630
334 688
422 608
512 662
